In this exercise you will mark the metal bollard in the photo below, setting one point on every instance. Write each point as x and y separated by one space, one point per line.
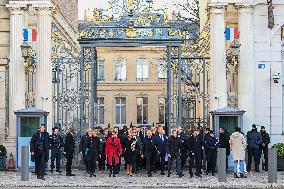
222 172
272 165
25 176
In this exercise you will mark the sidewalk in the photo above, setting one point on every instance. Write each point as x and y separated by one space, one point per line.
254 180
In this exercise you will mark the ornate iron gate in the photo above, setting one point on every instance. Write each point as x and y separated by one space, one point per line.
66 87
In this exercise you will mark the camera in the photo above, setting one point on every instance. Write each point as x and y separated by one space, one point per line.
276 77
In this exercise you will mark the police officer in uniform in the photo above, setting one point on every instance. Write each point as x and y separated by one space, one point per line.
39 148
264 147
56 143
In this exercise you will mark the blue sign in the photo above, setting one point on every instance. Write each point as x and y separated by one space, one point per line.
261 66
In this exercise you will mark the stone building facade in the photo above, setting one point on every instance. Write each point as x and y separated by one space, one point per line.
260 66
43 16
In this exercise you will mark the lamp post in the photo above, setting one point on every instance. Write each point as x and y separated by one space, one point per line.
25 48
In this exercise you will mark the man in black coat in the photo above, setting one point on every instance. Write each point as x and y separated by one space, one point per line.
69 147
224 142
254 140
39 148
83 145
56 143
160 141
149 152
173 147
138 150
264 147
184 151
195 144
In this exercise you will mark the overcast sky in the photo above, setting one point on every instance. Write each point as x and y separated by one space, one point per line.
85 4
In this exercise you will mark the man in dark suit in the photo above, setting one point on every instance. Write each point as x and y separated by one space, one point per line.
83 145
39 148
160 141
69 147
148 151
195 151
138 149
184 140
173 148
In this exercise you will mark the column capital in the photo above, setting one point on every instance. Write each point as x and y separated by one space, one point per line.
16 9
44 10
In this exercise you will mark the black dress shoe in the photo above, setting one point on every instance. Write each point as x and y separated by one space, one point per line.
59 171
149 175
70 174
213 174
51 170
162 173
198 175
113 175
42 178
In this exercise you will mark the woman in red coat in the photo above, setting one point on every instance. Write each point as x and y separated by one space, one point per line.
113 152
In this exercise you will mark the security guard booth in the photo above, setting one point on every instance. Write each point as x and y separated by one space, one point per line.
28 122
228 118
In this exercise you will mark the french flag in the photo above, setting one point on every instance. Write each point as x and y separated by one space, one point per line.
29 34
232 33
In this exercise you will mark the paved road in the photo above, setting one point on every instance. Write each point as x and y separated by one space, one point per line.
141 181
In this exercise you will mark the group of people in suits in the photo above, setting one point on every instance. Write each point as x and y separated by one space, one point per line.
141 148
40 145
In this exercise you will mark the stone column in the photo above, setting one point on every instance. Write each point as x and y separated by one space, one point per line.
44 66
16 70
218 83
246 91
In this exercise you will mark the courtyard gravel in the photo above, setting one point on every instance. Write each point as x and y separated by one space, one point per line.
254 180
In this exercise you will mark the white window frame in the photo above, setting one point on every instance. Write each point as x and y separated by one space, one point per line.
142 69
98 110
101 62
121 74
142 111
120 105
160 105
162 69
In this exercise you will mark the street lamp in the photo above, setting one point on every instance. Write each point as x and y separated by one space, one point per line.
25 48
235 48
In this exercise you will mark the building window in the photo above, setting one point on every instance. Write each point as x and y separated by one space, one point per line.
101 111
162 110
120 110
162 70
101 70
142 70
142 110
120 70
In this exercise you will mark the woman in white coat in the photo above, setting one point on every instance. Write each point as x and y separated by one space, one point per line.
238 147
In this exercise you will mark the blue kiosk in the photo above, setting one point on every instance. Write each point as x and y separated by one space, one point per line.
28 121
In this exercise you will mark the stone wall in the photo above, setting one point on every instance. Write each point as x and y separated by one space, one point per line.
4 53
69 9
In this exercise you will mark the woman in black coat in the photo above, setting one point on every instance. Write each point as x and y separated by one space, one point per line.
130 145
94 149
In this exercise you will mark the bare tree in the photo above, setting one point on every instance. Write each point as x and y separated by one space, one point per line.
188 11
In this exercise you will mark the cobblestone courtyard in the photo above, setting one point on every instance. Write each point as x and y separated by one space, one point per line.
255 180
